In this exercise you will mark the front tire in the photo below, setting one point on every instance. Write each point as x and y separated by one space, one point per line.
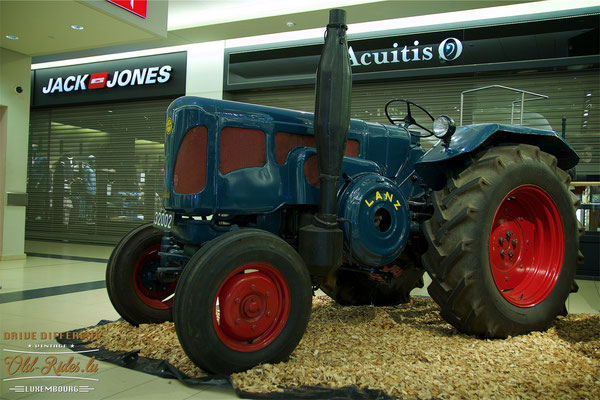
244 300
503 243
134 292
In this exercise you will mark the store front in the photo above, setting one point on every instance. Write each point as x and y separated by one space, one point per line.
557 58
96 146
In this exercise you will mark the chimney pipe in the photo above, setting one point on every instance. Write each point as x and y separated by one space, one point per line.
321 243
332 112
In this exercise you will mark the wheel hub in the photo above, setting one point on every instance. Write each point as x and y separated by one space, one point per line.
509 244
526 246
247 305
252 307
150 290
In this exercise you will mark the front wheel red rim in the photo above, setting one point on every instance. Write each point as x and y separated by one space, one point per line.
526 246
251 307
149 290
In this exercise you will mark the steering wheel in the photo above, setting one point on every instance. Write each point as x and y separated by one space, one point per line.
408 119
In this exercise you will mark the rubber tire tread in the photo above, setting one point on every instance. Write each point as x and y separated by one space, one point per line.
198 286
119 277
458 233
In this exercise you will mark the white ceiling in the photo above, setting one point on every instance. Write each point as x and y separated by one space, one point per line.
201 20
44 26
194 13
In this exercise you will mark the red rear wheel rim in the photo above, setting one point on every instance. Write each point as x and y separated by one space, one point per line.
149 290
253 307
526 246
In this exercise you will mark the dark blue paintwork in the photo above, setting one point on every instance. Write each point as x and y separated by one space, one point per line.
371 197
376 184
259 190
432 166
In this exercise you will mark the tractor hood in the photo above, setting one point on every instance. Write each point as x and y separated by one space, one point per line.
467 139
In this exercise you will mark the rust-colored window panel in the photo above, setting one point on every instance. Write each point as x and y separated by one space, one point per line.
241 148
352 148
190 169
311 171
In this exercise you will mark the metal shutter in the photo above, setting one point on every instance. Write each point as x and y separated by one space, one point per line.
95 200
573 94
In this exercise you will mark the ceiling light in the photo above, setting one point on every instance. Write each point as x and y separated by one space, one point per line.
77 27
12 37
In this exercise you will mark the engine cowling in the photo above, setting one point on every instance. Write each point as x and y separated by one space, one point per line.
380 219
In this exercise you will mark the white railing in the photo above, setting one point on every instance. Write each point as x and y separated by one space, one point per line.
537 96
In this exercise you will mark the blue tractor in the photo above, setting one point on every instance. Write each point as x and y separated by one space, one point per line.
262 206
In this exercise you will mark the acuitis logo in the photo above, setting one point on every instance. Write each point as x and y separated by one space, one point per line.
99 80
448 50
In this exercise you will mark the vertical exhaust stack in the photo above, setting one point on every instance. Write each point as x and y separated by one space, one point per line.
332 112
321 242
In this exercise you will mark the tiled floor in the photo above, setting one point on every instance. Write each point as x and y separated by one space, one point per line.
64 312
59 313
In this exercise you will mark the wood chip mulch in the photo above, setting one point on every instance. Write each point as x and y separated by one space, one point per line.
407 351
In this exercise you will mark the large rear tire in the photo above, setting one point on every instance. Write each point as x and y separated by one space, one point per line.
503 243
134 292
244 299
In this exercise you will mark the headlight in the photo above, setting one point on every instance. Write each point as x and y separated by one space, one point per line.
444 127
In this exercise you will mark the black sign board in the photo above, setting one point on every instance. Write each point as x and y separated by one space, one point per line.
549 42
146 77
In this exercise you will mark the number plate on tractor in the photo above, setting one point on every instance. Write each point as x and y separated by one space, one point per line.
164 219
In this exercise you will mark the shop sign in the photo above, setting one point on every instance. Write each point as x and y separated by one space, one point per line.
138 7
563 41
367 57
449 50
99 80
144 77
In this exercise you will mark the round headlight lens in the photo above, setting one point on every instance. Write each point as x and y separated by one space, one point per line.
443 127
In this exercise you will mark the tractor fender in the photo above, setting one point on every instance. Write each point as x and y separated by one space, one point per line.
432 167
